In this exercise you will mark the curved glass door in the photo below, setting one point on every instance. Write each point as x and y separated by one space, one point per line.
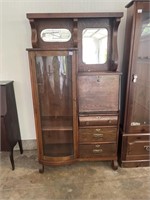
54 80
139 112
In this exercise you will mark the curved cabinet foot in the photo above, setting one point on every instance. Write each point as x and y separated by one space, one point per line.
41 170
114 164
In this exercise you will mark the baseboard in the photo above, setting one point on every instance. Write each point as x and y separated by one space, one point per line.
27 145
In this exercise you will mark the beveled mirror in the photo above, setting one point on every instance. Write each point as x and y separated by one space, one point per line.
94 45
55 35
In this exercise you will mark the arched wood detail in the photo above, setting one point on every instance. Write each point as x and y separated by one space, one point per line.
75 33
34 38
114 64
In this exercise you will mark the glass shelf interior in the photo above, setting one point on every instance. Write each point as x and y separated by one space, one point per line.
54 75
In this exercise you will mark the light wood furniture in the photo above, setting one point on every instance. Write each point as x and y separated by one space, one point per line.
75 86
135 124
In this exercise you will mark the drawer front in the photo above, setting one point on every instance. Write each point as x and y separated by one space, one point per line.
97 93
136 147
97 150
139 148
98 120
99 134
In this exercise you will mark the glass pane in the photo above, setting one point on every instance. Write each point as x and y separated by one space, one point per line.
94 45
55 96
55 35
141 97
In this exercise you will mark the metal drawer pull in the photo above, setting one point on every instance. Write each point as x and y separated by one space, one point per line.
97 150
97 135
97 145
98 129
98 117
147 148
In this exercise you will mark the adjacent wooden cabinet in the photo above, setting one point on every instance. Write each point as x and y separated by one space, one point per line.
75 86
10 130
135 124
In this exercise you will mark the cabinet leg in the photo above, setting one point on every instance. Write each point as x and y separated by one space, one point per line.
12 159
114 164
20 146
41 170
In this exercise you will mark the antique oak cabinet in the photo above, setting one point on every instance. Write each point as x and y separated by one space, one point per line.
75 86
135 127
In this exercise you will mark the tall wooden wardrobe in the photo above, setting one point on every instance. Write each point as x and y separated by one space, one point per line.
135 124
75 86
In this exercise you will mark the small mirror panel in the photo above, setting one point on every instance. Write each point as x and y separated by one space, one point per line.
94 45
55 35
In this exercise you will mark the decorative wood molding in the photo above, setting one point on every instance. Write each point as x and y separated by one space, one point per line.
114 63
34 37
75 33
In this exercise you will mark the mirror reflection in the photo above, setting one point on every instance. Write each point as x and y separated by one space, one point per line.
55 35
94 45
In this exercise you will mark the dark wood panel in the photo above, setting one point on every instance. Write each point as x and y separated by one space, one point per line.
4 142
73 15
103 95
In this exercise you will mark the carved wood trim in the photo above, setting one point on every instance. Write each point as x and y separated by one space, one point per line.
75 33
34 37
114 64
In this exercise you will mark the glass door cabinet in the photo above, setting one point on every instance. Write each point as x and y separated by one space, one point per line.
53 74
136 127
73 62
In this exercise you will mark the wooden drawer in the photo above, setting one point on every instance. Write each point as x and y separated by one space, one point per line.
98 120
97 150
139 148
98 92
104 134
136 147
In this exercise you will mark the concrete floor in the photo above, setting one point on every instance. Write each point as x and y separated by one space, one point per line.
80 181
